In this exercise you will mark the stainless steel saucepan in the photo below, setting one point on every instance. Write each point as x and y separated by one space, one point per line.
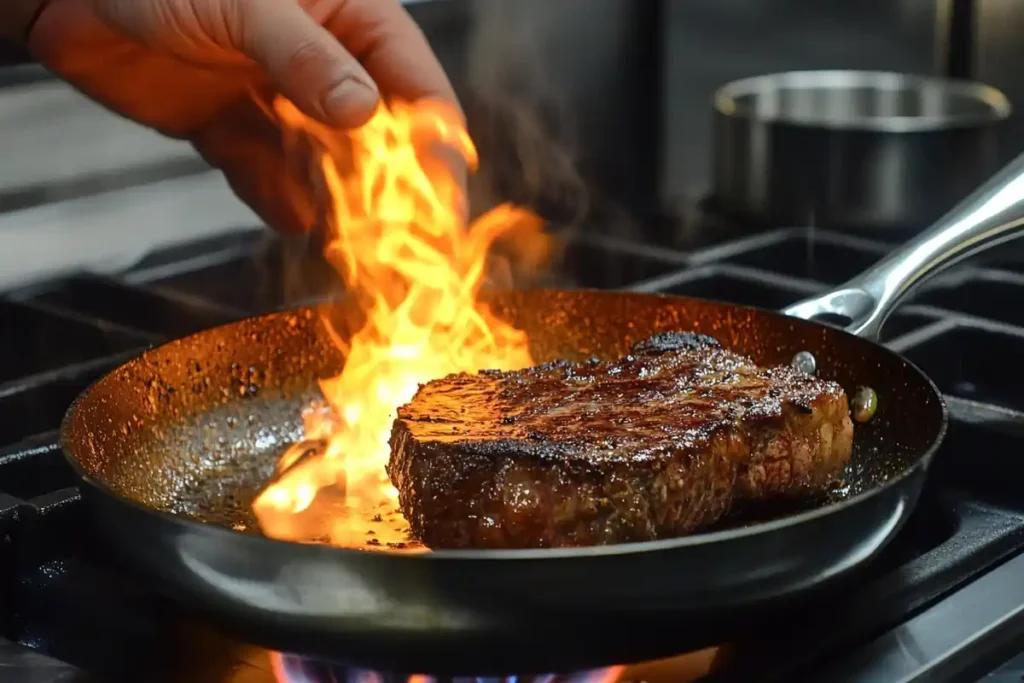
851 149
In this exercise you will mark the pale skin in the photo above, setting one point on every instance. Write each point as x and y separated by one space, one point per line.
188 68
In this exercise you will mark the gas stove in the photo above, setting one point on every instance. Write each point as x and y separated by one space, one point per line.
945 601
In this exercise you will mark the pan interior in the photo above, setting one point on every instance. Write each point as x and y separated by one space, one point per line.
195 427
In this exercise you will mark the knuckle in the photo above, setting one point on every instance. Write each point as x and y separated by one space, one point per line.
222 21
305 56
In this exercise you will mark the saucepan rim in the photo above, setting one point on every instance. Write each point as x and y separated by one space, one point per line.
997 106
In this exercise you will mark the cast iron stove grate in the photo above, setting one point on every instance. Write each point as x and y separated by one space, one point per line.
71 609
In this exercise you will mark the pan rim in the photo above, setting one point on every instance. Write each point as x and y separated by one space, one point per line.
922 462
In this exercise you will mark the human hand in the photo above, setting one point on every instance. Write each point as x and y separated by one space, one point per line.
188 67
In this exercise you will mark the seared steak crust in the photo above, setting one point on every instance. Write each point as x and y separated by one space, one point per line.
656 444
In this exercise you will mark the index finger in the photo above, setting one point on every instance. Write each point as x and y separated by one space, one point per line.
389 44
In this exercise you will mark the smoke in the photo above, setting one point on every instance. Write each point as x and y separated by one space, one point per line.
518 116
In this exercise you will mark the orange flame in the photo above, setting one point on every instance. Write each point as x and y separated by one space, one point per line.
399 239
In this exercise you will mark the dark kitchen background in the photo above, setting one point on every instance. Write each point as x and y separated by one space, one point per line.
626 84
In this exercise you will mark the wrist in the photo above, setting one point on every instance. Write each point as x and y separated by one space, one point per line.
17 18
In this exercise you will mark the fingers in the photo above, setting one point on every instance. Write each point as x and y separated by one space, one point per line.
389 44
307 64
334 57
392 48
331 58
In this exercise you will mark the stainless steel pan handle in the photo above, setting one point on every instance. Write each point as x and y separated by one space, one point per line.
992 215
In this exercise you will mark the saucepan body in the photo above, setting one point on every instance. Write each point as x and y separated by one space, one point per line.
853 150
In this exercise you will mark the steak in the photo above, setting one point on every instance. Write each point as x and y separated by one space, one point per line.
658 444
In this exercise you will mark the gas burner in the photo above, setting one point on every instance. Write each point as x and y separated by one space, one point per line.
296 669
685 668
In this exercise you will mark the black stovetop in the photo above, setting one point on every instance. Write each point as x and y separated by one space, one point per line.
944 602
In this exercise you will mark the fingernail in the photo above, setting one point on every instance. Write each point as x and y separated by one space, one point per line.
351 102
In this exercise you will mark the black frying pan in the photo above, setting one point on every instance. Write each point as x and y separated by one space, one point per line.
173 446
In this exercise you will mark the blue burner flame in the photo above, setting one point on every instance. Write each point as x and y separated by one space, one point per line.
295 669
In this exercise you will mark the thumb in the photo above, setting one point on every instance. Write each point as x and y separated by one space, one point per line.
306 62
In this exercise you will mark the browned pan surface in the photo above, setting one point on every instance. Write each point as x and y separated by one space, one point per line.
194 427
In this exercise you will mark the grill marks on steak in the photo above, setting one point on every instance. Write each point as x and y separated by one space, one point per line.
657 444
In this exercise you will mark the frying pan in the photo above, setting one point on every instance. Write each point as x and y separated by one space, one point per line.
172 446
